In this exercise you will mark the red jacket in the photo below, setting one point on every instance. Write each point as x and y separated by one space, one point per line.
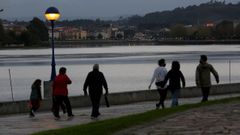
60 85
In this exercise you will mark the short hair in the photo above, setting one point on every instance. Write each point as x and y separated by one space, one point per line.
62 70
161 62
95 67
204 57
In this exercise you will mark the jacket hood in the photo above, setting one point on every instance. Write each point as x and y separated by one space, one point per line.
204 65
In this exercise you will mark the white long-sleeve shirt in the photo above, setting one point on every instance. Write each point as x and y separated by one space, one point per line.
159 75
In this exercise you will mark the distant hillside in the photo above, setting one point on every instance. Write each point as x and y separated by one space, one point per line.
212 11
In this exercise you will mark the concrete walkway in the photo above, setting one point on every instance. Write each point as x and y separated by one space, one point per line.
21 124
220 119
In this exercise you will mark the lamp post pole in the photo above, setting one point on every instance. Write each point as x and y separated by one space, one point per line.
53 72
52 14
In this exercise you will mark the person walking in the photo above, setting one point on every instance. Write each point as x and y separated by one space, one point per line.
35 97
60 93
95 82
175 77
158 76
203 77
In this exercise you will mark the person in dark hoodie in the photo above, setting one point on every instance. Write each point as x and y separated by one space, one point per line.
203 77
95 82
175 76
35 97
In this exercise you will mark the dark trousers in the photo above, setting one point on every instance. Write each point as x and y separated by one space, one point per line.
53 105
35 104
95 99
205 93
163 95
58 102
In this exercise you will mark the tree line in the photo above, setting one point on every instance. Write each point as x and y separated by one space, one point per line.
36 32
224 30
214 11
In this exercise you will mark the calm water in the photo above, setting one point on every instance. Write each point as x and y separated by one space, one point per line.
126 68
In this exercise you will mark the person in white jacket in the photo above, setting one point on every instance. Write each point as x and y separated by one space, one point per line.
158 76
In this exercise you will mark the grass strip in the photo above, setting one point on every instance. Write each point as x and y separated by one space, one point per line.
110 126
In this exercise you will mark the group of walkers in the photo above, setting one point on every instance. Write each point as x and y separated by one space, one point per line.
95 82
175 77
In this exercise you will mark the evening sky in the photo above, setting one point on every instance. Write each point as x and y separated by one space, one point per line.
89 9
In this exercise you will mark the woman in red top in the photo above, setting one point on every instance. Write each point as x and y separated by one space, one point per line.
60 92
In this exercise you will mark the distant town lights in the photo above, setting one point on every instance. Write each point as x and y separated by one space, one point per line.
52 14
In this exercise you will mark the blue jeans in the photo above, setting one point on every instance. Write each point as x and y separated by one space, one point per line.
175 95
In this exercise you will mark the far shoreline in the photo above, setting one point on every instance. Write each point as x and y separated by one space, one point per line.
144 42
105 43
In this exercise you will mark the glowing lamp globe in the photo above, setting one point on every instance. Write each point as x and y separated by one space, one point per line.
52 14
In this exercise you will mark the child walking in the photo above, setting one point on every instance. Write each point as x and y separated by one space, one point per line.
175 76
35 97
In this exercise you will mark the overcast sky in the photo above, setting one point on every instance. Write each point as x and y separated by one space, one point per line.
70 9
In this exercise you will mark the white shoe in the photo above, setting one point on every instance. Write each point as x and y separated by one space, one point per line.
57 118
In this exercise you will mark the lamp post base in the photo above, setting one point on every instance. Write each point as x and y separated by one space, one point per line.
47 89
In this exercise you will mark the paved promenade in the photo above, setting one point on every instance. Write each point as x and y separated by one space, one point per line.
221 119
21 124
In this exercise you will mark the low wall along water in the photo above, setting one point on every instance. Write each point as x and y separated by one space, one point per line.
117 98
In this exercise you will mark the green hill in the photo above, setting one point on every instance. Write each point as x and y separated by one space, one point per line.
207 12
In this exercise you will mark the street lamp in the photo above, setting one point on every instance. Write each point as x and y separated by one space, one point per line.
52 14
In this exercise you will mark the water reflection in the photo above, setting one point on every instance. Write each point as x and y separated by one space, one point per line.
125 68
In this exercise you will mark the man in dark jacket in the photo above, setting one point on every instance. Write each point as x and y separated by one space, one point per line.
203 77
95 82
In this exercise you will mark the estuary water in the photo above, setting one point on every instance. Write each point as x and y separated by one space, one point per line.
126 68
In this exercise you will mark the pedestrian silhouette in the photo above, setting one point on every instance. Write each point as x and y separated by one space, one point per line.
95 82
35 97
158 76
60 93
175 76
203 77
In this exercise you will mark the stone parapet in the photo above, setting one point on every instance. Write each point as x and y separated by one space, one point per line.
117 98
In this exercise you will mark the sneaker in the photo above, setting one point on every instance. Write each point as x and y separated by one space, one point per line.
71 116
163 106
93 118
204 100
31 114
57 118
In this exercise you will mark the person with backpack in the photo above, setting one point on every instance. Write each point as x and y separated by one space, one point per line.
158 76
